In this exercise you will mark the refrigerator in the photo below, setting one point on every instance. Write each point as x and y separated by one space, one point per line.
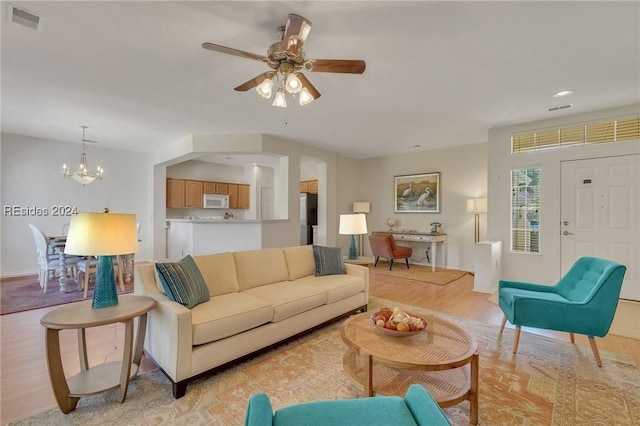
308 217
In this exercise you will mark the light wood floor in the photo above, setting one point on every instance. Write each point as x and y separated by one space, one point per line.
25 387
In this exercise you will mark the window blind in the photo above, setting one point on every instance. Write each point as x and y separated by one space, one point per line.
604 132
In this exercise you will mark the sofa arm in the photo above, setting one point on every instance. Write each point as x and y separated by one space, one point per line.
259 411
169 337
359 271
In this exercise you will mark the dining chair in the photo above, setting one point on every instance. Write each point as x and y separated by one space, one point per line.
89 265
48 260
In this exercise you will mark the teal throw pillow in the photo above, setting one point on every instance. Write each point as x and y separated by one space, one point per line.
183 282
328 260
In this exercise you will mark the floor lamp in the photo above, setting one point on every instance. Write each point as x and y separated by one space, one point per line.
477 206
361 207
353 224
103 235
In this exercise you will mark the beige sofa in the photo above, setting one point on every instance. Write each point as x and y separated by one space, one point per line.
258 298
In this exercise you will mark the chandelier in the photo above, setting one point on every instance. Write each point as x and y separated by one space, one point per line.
82 175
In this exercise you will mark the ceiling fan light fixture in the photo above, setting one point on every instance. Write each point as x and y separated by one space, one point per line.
265 89
280 100
293 83
305 96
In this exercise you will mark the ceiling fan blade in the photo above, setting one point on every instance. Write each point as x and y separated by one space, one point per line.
235 52
295 34
310 87
254 81
348 66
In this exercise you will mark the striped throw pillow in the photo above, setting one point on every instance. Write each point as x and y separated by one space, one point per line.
328 260
183 282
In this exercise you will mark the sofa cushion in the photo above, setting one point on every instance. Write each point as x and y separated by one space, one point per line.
300 261
338 287
182 282
228 314
260 267
289 298
328 260
219 272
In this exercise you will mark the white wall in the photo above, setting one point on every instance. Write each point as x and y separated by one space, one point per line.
463 175
30 170
545 266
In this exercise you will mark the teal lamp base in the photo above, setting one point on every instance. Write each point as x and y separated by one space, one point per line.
352 248
105 293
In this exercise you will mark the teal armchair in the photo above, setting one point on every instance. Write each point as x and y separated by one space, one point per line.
584 301
416 408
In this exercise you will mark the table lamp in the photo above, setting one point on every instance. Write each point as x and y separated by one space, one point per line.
477 205
102 235
353 224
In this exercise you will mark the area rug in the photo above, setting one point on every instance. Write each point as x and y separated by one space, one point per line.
441 276
549 382
24 294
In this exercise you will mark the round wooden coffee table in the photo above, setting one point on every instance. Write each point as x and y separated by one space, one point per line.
443 358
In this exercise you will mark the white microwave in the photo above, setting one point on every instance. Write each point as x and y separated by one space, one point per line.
215 201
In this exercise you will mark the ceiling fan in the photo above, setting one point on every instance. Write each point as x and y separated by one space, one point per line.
286 59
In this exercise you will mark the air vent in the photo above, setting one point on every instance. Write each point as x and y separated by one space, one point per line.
557 108
25 18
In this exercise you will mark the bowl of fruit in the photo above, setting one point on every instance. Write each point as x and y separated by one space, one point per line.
395 322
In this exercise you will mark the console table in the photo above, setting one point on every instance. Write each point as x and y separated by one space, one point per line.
423 237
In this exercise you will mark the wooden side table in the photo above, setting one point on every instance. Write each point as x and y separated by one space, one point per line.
103 377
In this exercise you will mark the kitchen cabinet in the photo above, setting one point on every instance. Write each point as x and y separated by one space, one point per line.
222 188
233 196
189 193
243 197
175 192
310 186
193 193
210 187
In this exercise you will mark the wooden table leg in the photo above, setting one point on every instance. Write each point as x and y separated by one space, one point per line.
82 349
126 360
56 372
142 329
368 377
473 390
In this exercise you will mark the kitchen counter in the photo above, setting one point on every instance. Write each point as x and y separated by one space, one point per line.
207 236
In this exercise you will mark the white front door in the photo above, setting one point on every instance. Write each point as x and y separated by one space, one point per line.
600 214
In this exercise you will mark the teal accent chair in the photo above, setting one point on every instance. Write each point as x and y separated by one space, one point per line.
584 301
417 408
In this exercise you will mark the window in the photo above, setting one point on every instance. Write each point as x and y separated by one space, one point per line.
525 210
610 131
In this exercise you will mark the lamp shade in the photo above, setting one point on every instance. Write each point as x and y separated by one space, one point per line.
477 205
361 207
353 224
102 234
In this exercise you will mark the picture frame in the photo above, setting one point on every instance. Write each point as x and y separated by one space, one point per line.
417 193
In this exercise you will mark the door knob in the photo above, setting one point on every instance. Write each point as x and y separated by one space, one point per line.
567 233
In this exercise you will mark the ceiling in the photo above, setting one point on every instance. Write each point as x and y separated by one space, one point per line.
438 73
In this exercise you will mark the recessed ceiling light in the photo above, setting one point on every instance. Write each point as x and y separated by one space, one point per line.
562 93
